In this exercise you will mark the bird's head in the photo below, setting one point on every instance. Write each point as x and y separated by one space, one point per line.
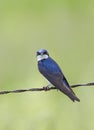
42 54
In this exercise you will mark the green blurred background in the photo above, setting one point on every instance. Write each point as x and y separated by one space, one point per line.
66 29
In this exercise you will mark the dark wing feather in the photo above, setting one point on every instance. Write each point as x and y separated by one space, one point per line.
67 84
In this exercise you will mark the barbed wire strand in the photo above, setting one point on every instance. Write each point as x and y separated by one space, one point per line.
46 88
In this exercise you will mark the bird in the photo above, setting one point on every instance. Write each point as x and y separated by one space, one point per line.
52 72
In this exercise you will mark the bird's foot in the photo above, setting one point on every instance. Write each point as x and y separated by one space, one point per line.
46 88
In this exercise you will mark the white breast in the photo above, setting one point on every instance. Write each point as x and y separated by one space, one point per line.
42 57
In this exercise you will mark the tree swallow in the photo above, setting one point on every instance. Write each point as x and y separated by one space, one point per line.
52 72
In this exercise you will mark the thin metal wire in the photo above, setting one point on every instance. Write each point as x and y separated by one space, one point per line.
46 88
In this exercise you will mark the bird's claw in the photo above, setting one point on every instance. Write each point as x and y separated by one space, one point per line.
46 88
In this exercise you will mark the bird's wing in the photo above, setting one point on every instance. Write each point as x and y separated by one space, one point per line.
50 69
59 81
66 84
54 75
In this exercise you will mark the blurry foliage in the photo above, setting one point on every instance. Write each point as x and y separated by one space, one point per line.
65 28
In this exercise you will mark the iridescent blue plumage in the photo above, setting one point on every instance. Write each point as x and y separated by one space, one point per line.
52 72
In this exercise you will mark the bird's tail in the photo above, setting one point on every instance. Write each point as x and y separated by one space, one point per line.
74 98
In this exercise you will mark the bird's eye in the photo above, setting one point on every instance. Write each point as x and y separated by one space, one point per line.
38 53
45 53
